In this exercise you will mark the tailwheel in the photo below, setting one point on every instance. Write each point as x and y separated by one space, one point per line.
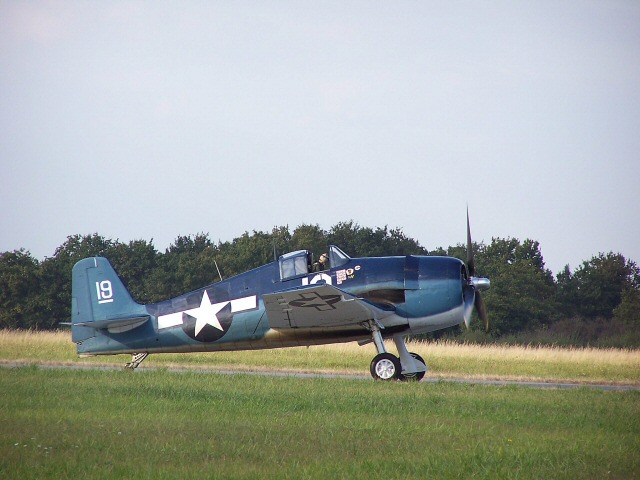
136 360
385 366
414 376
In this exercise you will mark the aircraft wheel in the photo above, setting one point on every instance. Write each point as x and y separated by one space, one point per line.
385 366
416 376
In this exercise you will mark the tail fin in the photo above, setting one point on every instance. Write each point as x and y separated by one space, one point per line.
101 301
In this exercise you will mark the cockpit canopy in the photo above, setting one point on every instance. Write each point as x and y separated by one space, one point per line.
294 264
299 263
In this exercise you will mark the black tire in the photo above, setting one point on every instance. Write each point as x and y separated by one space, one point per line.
413 377
385 367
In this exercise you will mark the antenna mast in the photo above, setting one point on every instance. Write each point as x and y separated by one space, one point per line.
219 274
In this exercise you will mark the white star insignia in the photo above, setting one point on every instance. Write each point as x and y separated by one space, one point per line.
206 313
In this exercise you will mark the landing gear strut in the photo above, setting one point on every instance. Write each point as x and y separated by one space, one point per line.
414 376
386 366
136 359
413 365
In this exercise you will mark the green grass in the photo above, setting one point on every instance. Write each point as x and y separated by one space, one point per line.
162 424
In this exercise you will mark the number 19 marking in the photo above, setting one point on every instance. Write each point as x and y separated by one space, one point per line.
104 291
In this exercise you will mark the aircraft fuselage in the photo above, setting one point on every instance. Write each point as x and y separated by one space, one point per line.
421 294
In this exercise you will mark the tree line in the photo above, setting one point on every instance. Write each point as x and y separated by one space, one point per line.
598 303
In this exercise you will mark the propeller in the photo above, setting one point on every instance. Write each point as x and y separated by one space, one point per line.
474 286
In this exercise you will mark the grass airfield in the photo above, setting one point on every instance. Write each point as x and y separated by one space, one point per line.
444 359
57 423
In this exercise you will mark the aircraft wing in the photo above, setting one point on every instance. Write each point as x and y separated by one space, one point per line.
319 306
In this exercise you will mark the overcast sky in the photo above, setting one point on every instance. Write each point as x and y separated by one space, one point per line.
149 120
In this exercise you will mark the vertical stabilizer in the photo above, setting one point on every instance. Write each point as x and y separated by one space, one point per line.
101 301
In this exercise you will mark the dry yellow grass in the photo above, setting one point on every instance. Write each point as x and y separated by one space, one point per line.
612 356
445 359
448 359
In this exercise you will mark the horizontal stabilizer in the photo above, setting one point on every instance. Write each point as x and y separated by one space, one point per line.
115 325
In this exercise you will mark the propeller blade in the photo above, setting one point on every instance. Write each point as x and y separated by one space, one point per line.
471 265
482 311
474 285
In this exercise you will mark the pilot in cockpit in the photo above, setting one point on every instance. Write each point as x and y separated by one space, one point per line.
322 263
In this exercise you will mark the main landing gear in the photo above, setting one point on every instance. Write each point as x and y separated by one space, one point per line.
386 366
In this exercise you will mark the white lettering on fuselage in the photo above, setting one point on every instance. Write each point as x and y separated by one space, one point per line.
317 278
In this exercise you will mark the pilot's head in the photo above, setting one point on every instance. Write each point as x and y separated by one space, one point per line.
324 258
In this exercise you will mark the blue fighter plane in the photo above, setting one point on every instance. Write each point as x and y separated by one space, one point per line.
284 304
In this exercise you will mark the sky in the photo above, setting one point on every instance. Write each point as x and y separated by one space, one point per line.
150 120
